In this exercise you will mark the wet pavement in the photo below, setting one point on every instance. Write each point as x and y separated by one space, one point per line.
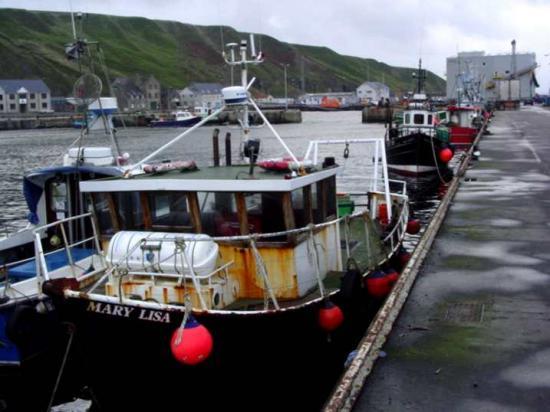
474 334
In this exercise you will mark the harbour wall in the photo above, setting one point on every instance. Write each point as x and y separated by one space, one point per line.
379 114
64 120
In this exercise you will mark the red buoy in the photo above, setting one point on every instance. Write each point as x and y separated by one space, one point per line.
330 316
413 226
403 257
445 155
192 343
378 285
392 276
383 213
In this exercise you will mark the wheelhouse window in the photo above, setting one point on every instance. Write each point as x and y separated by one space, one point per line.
129 210
169 212
107 222
234 214
324 200
218 214
118 211
407 118
301 206
418 118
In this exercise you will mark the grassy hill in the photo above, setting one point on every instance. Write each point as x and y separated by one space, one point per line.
31 46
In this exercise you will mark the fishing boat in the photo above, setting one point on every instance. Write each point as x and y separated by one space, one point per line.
418 146
465 121
30 344
179 118
224 278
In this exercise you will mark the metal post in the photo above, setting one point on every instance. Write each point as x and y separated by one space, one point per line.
216 147
228 149
286 91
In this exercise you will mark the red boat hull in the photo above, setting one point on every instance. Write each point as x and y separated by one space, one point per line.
463 136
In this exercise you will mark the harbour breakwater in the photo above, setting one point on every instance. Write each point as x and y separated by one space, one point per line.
64 120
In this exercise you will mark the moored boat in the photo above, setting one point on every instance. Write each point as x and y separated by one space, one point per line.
464 123
224 279
417 146
180 118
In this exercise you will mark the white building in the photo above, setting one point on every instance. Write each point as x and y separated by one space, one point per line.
372 92
204 95
24 96
483 69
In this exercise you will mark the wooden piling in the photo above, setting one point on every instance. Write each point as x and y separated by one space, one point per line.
216 147
228 149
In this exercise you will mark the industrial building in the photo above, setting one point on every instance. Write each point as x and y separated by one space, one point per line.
483 72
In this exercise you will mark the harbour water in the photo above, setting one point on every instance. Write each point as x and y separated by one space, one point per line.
24 150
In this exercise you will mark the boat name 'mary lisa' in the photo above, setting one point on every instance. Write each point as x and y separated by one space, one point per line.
128 312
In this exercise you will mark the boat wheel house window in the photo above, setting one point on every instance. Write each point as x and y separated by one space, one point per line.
217 213
118 211
169 212
418 118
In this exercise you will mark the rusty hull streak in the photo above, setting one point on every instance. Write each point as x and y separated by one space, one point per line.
279 262
352 381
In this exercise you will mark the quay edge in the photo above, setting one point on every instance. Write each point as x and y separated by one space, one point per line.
350 385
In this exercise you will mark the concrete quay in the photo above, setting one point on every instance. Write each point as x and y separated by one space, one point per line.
474 334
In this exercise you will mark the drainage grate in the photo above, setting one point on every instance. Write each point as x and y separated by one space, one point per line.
465 312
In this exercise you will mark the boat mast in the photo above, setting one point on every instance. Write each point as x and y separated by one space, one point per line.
243 62
420 78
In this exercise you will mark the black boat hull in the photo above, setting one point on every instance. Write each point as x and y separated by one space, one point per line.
415 154
260 360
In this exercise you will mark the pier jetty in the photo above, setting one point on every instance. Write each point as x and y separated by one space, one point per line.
64 120
376 114
473 333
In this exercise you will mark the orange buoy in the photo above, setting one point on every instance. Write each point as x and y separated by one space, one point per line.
330 316
378 285
191 344
413 226
445 155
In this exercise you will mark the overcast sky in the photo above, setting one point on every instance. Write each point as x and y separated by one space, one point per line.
395 32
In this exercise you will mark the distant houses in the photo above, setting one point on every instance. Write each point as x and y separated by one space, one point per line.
144 93
372 92
138 93
204 95
24 96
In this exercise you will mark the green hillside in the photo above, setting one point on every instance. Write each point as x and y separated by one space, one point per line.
31 46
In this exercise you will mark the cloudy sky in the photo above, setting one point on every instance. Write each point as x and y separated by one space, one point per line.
396 32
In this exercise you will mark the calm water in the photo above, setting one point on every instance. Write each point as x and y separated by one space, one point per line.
24 150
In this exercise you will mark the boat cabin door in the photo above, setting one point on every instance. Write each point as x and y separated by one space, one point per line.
63 200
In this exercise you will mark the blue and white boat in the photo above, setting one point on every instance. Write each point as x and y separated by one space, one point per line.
181 118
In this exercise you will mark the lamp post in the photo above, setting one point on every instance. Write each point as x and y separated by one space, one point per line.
285 66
